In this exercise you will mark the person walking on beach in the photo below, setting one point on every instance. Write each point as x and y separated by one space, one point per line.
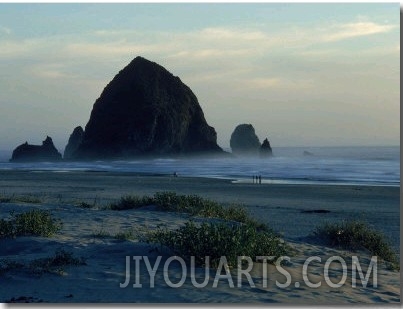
260 179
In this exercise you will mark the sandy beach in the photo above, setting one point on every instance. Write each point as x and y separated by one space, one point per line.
290 210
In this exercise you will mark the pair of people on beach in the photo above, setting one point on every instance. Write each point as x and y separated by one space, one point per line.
257 179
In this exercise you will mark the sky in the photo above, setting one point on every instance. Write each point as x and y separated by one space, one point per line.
314 74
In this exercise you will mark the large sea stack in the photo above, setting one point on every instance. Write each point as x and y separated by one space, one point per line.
28 153
143 111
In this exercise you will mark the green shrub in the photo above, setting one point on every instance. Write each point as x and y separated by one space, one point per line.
219 239
235 213
355 235
168 201
125 235
22 199
57 263
191 204
28 199
86 205
198 206
34 222
131 202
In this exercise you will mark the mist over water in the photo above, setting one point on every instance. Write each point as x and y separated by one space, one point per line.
326 165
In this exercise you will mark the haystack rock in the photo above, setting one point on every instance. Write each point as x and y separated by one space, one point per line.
143 111
265 149
28 153
74 141
244 140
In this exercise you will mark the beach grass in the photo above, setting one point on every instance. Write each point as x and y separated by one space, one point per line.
219 239
131 202
54 264
31 223
356 235
190 204
236 235
86 205
125 235
59 261
29 199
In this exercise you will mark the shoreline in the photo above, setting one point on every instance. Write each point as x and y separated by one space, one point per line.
234 179
338 166
270 203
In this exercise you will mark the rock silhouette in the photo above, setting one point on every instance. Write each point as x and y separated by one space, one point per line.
145 110
244 140
74 141
265 149
28 153
307 153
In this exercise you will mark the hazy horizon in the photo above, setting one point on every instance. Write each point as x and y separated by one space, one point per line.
304 75
280 151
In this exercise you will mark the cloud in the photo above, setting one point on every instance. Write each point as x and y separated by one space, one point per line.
14 49
211 53
279 83
198 45
264 82
112 49
50 71
340 53
351 30
206 43
221 33
250 58
5 30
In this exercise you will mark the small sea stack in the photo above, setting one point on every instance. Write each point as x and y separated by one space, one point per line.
265 149
74 141
34 153
244 141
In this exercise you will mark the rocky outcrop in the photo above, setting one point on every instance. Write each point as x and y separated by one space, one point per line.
265 149
28 153
145 110
74 141
244 140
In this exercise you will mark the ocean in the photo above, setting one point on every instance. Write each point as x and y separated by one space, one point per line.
379 166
